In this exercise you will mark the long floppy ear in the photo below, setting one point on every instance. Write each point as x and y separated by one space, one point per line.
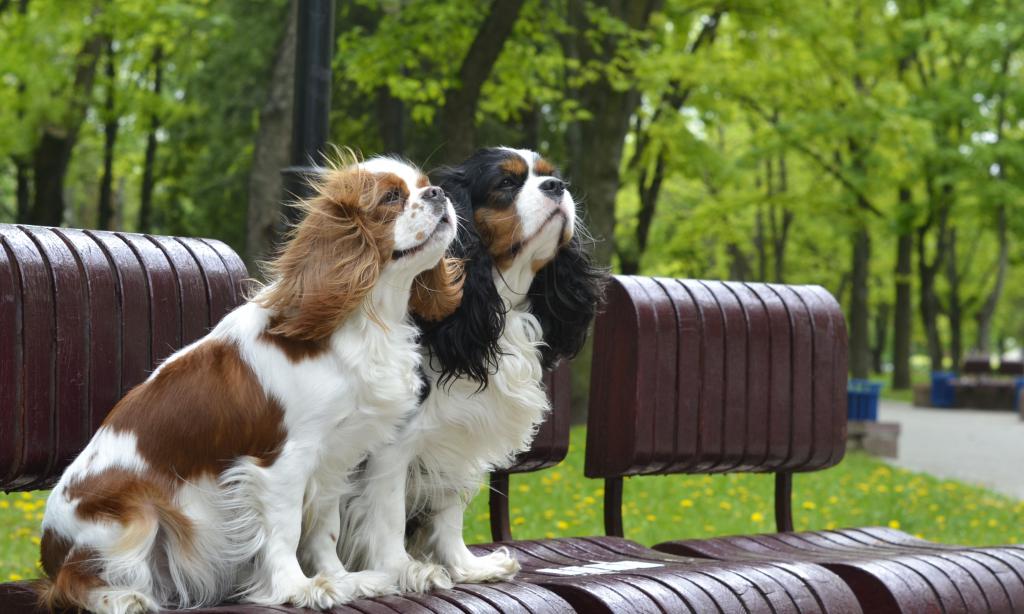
564 297
331 260
465 344
436 293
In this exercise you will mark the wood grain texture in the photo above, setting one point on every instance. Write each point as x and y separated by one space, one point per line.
89 315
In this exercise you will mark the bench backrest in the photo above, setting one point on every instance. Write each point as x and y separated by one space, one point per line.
85 316
714 377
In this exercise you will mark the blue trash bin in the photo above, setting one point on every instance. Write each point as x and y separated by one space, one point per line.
942 389
862 400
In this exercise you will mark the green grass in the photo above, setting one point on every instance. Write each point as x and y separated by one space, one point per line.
860 491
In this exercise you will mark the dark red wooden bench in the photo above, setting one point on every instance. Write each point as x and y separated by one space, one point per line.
711 377
671 583
86 315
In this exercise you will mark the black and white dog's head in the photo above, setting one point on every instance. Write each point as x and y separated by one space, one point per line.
518 240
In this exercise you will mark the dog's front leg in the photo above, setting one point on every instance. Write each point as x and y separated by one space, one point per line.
446 544
377 525
276 578
319 554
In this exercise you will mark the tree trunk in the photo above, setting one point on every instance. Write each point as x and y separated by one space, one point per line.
988 309
148 180
860 348
929 302
780 237
458 116
53 154
391 121
739 265
881 338
595 147
110 126
271 150
23 190
955 312
649 187
903 323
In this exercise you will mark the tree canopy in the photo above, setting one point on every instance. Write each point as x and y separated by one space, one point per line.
873 147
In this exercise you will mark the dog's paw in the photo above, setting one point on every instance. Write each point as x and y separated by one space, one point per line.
365 584
497 566
120 601
419 577
318 593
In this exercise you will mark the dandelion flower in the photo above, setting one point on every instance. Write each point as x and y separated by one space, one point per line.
894 524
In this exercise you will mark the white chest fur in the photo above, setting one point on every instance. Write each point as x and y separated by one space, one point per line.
462 431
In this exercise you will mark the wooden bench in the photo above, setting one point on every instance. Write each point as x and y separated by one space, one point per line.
85 316
710 377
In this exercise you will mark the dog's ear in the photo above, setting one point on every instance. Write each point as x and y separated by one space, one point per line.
564 297
331 260
436 293
465 343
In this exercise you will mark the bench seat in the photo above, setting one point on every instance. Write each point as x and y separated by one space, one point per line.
891 570
651 581
519 597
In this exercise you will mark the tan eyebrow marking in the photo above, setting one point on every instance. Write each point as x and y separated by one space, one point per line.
514 165
543 167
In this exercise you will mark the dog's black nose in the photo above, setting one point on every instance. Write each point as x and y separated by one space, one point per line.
553 187
433 194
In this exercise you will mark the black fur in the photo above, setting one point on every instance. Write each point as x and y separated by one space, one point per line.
563 296
465 344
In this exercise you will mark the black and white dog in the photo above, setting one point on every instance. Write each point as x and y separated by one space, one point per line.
529 296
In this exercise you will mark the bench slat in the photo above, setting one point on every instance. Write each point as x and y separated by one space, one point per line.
88 315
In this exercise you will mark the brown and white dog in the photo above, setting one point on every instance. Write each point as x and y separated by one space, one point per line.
220 475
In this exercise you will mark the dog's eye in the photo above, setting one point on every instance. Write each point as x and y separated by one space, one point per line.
506 182
393 196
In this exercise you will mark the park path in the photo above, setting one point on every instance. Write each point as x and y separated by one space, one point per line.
974 446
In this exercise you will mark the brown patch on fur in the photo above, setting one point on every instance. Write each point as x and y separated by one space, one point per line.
423 181
543 168
386 182
501 231
75 575
437 293
296 350
203 411
515 165
53 550
333 258
537 265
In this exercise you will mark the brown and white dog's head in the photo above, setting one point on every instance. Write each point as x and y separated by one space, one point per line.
378 217
518 240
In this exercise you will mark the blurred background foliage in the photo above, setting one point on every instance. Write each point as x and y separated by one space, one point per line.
870 146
